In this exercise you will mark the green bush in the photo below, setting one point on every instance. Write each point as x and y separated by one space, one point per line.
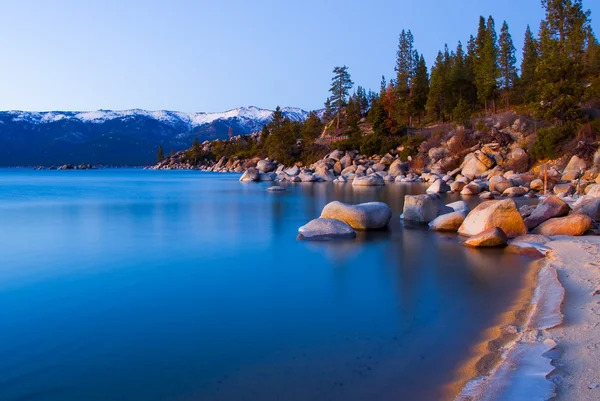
549 141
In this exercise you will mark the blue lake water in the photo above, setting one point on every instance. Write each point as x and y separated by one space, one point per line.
181 285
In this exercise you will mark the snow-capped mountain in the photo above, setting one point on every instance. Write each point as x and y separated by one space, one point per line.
121 137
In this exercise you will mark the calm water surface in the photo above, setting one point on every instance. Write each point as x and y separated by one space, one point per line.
176 285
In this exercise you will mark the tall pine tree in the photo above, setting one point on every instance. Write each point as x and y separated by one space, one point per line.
507 62
528 66
405 70
561 68
341 83
420 88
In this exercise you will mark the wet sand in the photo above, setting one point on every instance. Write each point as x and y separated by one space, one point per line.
549 344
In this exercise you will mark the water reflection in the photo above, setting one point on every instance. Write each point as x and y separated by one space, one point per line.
147 285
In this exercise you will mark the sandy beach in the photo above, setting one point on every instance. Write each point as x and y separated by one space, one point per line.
555 353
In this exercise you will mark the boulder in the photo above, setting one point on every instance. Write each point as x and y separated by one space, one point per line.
379 167
459 206
549 208
499 183
266 176
486 195
589 206
368 181
275 188
471 189
438 187
324 174
537 185
346 161
266 166
526 211
398 168
457 186
336 155
307 177
495 213
593 190
477 164
447 222
576 164
292 171
492 237
423 208
250 175
366 216
326 229
575 224
564 189
514 192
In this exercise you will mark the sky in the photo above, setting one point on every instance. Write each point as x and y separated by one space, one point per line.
200 55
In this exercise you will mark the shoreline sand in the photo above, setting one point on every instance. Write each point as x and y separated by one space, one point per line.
534 353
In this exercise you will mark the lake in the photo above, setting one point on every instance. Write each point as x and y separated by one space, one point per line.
182 285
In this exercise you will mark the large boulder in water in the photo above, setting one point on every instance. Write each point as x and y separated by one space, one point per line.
549 208
250 175
366 216
326 229
575 224
423 208
448 222
368 181
489 238
495 213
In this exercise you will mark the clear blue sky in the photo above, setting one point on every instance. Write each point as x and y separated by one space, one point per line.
201 55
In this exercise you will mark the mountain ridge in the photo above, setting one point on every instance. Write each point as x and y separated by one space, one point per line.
118 137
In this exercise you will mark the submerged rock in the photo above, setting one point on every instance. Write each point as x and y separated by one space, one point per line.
366 216
574 224
323 229
489 238
495 213
275 188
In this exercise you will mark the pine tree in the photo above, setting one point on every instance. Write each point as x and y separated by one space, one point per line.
486 62
560 70
195 144
311 129
459 78
528 66
276 119
160 156
405 70
435 101
341 83
420 88
328 114
363 100
470 61
507 61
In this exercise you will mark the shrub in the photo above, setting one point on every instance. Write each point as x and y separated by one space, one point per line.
549 141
